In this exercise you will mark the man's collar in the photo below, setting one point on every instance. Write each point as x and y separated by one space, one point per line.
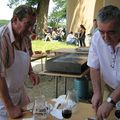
12 38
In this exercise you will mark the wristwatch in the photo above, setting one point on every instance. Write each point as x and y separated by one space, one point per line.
109 100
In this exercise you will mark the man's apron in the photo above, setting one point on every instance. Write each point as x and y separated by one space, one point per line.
15 77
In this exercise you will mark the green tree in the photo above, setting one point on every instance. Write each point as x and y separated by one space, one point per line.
58 15
42 12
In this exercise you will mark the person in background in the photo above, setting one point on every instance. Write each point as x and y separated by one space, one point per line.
47 35
93 30
82 36
104 61
55 34
63 34
15 66
71 39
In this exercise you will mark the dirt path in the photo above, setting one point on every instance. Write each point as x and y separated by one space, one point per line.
47 84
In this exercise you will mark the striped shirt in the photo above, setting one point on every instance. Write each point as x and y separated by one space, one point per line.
7 46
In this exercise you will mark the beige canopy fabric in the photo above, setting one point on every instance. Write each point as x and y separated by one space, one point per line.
83 12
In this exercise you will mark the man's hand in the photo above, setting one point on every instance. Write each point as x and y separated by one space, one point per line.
14 112
104 110
34 78
96 101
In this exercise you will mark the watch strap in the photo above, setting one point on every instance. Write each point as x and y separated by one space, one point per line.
109 100
113 102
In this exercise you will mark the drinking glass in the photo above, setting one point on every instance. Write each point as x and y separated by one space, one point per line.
40 110
117 111
70 104
67 111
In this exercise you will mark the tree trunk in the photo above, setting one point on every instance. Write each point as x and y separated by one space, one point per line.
42 17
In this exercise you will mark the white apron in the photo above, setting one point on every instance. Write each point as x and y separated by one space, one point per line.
16 75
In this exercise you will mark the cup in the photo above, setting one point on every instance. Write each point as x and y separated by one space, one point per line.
40 110
69 104
72 99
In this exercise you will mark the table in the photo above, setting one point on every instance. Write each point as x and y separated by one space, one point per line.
65 76
57 75
37 57
70 50
83 111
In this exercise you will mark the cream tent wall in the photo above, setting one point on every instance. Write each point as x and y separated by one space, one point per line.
112 2
79 12
83 12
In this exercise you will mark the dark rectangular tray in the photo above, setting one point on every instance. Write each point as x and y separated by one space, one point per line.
67 63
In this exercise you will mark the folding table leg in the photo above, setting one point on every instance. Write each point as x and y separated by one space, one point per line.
41 64
65 83
56 84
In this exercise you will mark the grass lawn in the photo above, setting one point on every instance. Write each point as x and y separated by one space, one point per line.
40 45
